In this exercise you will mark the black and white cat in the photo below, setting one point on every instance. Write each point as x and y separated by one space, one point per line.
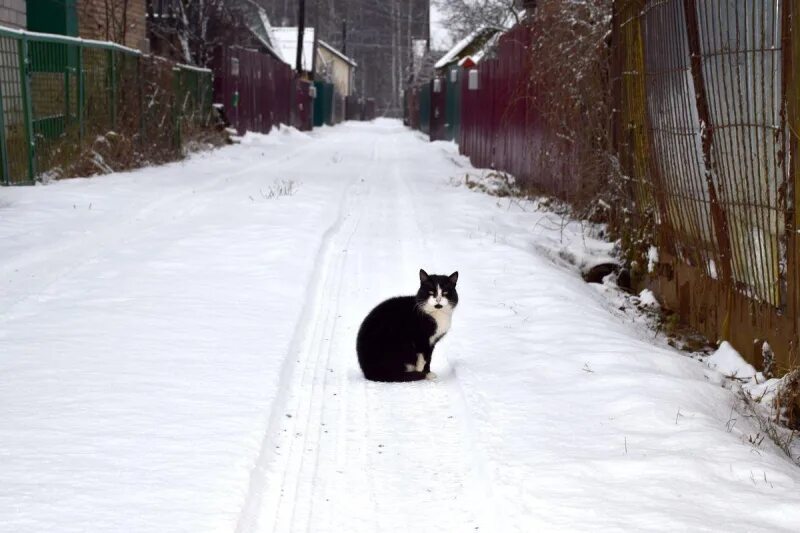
396 340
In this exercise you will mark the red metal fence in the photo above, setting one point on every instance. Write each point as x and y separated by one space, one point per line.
258 92
502 128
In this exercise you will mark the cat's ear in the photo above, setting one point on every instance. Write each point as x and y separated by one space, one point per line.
453 277
423 276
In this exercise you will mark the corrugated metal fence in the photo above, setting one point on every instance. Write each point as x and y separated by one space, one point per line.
706 94
705 115
59 95
253 88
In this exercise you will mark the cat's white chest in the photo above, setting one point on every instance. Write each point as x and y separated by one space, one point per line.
442 318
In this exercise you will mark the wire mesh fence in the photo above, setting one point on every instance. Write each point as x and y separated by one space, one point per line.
67 101
702 132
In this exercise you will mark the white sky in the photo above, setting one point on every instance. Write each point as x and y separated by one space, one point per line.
440 40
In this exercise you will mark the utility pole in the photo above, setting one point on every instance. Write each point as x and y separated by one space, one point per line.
317 24
301 29
344 36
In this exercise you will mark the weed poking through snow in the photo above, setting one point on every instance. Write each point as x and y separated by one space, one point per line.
276 190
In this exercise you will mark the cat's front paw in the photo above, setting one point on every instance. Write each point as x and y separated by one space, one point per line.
431 376
420 362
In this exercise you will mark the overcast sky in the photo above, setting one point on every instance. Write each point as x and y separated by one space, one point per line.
439 38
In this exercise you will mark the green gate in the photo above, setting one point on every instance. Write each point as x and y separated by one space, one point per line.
453 105
323 104
425 107
59 94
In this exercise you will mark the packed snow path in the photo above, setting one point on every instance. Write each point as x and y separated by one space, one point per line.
177 354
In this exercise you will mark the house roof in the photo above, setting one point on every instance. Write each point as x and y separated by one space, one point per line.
337 53
286 43
470 46
259 25
475 45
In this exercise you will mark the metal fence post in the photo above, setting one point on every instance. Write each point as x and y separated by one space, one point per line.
25 87
81 96
790 194
5 178
176 112
718 215
112 72
66 92
140 86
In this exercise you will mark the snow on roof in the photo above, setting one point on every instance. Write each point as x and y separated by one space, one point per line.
490 33
286 43
457 49
258 23
337 53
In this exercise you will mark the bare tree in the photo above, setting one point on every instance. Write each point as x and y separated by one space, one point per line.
189 30
462 17
106 20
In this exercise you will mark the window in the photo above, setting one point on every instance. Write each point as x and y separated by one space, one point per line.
53 16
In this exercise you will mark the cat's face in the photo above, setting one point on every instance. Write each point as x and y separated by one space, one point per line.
437 293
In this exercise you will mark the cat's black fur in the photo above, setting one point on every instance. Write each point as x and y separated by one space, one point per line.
397 330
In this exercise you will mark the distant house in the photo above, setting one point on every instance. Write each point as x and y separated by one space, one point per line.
121 21
337 68
468 51
192 32
91 19
13 13
472 49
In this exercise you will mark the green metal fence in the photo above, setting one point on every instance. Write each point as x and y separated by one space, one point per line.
323 104
60 96
453 105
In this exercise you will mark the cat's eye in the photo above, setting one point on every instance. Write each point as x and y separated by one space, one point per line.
444 293
430 292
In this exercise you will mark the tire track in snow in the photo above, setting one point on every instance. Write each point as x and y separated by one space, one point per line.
480 486
283 449
396 461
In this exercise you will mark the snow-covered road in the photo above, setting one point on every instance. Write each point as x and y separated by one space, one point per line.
177 354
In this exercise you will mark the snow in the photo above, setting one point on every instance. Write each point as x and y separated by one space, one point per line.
652 258
648 299
177 348
457 49
727 361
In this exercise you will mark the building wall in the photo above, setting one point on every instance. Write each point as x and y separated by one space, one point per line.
340 72
13 13
126 21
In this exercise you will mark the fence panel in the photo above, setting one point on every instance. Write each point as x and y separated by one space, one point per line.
438 118
453 105
702 130
70 106
252 88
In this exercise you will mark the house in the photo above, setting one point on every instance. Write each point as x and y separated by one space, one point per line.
468 51
472 49
337 68
13 13
121 21
191 32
